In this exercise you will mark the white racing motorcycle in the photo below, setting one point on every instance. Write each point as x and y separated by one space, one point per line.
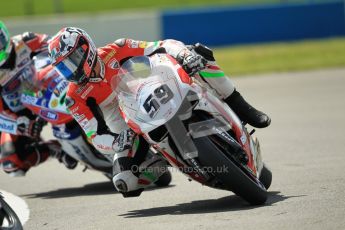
190 126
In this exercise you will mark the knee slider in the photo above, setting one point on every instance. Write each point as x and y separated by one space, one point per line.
125 181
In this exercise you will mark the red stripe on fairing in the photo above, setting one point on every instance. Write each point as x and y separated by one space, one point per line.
131 124
130 153
172 160
238 132
213 67
134 126
185 78
144 182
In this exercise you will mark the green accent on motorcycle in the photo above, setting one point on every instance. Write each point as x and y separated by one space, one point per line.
211 75
62 99
149 175
136 144
90 134
29 93
3 56
5 43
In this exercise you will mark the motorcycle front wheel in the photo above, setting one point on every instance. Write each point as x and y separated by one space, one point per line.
229 173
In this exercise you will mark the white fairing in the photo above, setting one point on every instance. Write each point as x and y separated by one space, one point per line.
79 150
140 95
150 92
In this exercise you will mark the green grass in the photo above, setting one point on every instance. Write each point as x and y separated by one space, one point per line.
45 7
281 57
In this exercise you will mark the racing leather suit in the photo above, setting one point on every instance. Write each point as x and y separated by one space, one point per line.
95 107
20 152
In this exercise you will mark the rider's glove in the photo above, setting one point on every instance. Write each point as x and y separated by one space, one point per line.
124 140
30 128
190 61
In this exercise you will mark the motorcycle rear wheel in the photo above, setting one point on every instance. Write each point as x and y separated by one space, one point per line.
164 180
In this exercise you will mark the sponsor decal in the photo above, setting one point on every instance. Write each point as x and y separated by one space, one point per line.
69 102
142 44
7 125
114 64
49 115
78 116
87 91
74 110
100 146
109 56
54 103
243 138
60 88
81 88
61 134
84 123
15 103
12 96
133 44
53 84
27 99
44 102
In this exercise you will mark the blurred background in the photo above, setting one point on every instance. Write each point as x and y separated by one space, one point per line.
248 36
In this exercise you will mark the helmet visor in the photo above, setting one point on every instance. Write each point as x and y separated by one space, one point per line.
72 66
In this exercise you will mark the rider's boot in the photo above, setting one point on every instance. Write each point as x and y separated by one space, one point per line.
133 181
56 151
246 112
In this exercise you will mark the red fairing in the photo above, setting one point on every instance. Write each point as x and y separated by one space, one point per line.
36 42
45 77
61 118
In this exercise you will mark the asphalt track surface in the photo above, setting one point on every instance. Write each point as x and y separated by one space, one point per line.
304 147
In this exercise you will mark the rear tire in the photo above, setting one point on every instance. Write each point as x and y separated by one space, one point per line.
233 178
266 177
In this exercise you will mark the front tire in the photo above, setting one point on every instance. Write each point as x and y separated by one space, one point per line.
266 176
233 178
